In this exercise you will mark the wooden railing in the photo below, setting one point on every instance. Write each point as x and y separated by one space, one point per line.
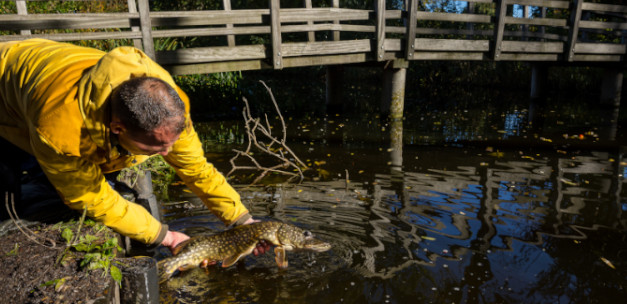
234 39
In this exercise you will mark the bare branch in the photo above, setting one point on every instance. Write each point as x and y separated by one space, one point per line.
254 127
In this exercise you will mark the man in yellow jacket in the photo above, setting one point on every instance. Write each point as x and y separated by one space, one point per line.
83 113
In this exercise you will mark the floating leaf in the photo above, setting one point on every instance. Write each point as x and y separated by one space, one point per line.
607 262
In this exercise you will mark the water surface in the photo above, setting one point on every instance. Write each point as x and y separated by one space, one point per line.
451 224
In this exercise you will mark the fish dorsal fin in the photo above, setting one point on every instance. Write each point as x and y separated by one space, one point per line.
180 246
228 261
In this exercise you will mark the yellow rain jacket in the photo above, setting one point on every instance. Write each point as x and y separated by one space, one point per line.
54 105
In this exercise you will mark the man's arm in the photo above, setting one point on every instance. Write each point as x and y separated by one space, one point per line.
81 184
187 158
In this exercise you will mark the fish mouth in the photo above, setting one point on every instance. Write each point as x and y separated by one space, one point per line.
317 247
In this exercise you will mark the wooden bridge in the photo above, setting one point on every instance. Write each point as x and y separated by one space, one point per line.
275 37
391 33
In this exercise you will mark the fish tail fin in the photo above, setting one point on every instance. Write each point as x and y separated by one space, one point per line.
166 269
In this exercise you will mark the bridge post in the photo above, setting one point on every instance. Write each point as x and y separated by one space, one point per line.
393 93
334 92
537 100
611 87
146 28
394 76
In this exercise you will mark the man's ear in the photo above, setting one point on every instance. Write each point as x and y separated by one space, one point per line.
117 127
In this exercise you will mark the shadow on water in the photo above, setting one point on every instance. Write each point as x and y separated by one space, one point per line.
443 212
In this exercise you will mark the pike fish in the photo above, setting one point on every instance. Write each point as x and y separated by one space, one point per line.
229 246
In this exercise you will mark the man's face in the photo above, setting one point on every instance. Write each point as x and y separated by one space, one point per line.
160 141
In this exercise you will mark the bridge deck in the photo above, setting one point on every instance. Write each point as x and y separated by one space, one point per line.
232 39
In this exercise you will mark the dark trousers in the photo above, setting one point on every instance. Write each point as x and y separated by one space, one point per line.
26 189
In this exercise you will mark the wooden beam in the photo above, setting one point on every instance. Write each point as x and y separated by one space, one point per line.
336 34
275 28
499 28
380 29
573 31
132 8
146 28
230 39
411 24
310 34
22 10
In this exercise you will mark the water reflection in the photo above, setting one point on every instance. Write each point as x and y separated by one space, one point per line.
470 227
429 224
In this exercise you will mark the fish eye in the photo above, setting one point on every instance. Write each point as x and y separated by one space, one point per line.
307 233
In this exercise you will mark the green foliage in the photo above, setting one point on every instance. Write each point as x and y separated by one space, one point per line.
99 247
14 251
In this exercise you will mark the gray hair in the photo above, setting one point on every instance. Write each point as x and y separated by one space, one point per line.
145 103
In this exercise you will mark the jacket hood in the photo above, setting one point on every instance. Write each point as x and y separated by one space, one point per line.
115 67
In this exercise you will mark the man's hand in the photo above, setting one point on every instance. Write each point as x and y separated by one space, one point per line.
262 246
173 238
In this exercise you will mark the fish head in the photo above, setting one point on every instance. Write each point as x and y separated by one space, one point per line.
294 238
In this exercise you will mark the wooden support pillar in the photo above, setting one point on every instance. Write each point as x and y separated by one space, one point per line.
393 92
538 95
334 93
146 27
611 87
394 95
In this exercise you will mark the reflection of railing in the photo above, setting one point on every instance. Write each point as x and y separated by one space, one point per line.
235 38
523 200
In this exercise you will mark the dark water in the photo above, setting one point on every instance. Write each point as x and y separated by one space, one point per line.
457 214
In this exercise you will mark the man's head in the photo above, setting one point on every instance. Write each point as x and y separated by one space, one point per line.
147 115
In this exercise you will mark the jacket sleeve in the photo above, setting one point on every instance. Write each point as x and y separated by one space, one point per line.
188 159
81 184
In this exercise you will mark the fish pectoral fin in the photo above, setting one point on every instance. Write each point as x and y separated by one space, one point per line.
235 257
281 257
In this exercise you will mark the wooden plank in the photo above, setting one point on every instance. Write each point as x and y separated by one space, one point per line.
327 60
529 57
542 3
537 21
218 31
499 28
609 8
621 26
310 35
328 27
532 47
326 48
412 9
76 36
230 39
22 10
275 28
429 44
453 17
598 58
217 67
450 56
323 14
193 18
336 34
573 32
38 22
132 8
380 26
599 48
146 28
211 54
